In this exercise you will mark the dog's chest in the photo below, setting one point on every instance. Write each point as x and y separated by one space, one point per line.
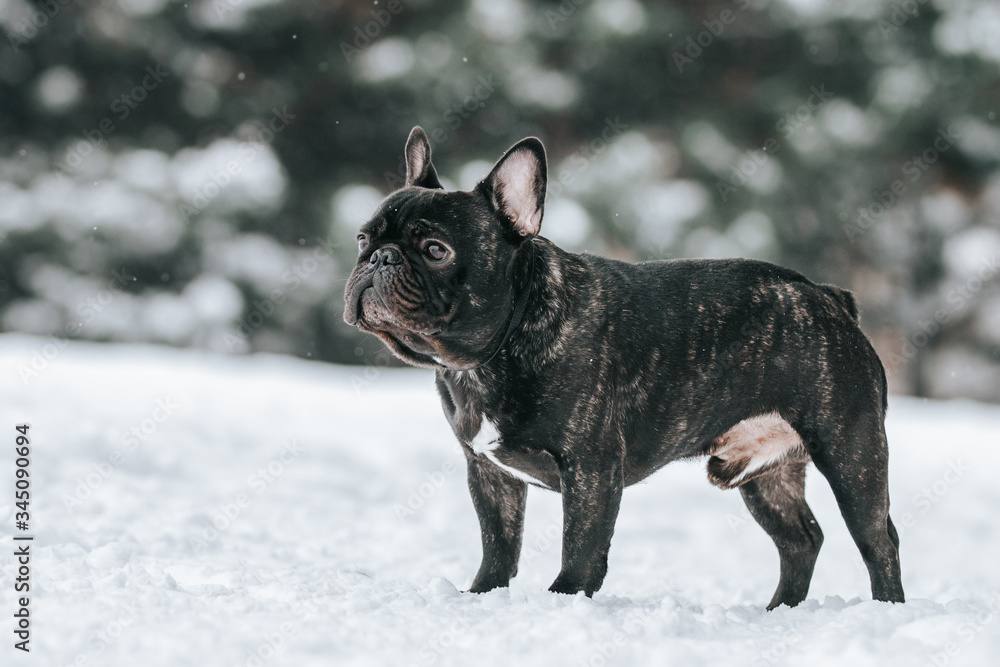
463 398
530 467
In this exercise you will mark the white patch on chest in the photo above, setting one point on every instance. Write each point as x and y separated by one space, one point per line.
485 443
752 445
487 439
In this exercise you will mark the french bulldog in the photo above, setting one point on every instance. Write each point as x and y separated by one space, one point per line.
583 375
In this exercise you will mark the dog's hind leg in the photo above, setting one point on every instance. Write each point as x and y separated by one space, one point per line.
776 499
855 460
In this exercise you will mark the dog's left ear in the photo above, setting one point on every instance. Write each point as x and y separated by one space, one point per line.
516 186
419 170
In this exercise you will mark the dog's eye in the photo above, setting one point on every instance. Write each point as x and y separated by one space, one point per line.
362 242
435 251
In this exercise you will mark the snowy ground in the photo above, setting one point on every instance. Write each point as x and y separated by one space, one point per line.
318 564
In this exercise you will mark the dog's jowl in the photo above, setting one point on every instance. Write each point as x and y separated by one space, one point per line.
583 375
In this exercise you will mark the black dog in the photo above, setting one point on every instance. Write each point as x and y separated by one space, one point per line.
583 375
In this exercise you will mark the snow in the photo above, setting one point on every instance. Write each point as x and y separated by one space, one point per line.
59 89
388 58
230 176
350 532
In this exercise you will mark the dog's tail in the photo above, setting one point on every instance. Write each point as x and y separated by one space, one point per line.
845 299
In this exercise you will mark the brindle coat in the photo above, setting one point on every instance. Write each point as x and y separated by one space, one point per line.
582 374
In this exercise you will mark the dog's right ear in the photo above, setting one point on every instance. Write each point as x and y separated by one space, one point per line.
419 170
516 186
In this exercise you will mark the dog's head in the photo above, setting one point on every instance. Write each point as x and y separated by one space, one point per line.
438 272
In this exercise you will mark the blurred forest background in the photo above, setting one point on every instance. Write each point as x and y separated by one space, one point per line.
194 172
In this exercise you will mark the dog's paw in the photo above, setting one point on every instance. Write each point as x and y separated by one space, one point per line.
568 586
486 584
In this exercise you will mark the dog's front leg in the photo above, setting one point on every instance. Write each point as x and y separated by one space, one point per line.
499 499
592 492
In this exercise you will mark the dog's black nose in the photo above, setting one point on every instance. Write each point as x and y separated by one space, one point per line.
386 255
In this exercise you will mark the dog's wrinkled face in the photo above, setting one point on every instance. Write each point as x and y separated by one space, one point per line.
433 278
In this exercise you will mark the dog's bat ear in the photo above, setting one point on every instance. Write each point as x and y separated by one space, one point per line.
419 170
516 186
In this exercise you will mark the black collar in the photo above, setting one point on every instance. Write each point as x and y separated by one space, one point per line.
519 308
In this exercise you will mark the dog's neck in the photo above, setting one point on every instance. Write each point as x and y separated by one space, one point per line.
548 274
524 294
540 338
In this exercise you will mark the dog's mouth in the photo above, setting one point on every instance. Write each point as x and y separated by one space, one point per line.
408 354
371 303
417 348
354 309
407 334
373 312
